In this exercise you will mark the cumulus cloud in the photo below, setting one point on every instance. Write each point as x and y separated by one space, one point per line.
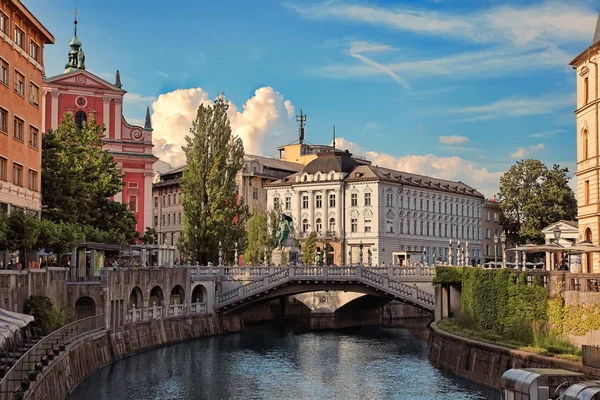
522 152
453 140
451 168
264 119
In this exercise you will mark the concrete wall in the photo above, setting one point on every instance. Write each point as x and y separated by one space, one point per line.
17 286
485 363
86 356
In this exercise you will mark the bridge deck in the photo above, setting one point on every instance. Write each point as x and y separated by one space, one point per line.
311 275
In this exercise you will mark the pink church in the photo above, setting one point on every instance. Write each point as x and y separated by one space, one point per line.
85 95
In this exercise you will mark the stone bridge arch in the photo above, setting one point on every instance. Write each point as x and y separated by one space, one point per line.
156 297
177 295
136 298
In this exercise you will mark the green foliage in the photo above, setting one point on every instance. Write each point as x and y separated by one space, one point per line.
554 343
448 275
274 219
59 238
258 237
22 232
532 196
212 212
3 231
78 179
150 236
579 319
308 249
47 317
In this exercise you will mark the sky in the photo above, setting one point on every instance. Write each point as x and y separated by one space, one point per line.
456 89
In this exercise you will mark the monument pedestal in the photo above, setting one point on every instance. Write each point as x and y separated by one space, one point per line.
285 256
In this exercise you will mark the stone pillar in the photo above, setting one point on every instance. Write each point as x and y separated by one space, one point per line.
311 210
106 115
454 301
299 212
325 218
450 253
54 115
517 265
118 114
339 213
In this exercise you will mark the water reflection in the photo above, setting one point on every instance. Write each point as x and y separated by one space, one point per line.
363 363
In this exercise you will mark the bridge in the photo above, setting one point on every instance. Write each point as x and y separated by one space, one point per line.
382 282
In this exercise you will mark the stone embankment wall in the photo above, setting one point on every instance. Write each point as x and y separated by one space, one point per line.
485 363
86 356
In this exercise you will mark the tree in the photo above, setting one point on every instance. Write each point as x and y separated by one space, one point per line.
258 237
308 250
213 213
532 197
274 219
48 318
78 180
150 236
3 231
59 238
23 230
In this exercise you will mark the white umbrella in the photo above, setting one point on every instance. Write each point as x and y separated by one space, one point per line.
584 247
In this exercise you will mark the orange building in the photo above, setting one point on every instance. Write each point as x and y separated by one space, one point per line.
22 40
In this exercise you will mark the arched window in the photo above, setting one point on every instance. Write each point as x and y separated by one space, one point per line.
585 145
332 225
80 119
319 225
304 225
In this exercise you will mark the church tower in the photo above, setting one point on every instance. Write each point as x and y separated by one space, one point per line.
588 147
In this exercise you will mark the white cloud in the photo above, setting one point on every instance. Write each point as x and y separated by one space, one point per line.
356 48
453 140
522 152
515 107
545 134
359 46
451 168
138 98
263 119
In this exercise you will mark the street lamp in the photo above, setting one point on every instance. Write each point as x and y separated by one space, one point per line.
495 249
557 233
503 240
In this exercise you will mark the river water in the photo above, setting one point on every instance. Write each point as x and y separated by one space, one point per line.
363 363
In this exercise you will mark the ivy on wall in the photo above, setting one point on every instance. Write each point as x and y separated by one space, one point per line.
448 275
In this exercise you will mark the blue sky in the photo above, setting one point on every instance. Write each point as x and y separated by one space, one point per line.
457 89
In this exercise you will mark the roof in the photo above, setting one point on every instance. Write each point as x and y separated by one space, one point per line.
595 43
275 163
572 224
596 37
327 161
58 78
49 37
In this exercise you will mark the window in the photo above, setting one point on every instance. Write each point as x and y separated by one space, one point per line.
427 205
353 225
496 216
164 199
17 174
421 228
168 219
390 200
80 119
462 210
288 203
433 227
34 51
586 91
332 225
318 225
304 225
487 249
156 202
421 205
168 199
487 233
20 83
367 225
179 218
318 201
445 208
305 201
446 230
3 120
18 129
354 199
401 227
34 94
367 199
3 23
332 200
133 203
19 36
156 220
3 169
440 207
34 135
33 180
3 70
487 215
254 193
390 226
585 145
414 203
587 192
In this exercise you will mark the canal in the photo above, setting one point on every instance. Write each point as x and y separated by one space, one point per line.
362 363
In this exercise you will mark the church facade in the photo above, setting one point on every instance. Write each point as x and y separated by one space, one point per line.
87 96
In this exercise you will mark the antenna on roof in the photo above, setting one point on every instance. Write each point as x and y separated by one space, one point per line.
301 119
334 137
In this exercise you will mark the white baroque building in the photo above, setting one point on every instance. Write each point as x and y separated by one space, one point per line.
394 216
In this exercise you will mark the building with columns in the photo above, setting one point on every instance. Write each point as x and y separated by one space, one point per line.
22 40
388 216
86 97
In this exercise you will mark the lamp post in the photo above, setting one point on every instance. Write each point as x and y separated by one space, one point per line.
503 240
360 254
557 233
495 249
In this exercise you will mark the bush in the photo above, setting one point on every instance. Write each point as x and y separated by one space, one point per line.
47 317
448 275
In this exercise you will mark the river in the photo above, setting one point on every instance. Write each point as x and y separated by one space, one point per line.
363 363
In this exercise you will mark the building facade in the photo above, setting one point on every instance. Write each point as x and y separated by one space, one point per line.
490 242
388 216
251 182
588 147
86 97
22 41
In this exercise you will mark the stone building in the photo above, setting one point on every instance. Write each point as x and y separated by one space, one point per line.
86 96
588 157
491 229
388 216
22 40
251 181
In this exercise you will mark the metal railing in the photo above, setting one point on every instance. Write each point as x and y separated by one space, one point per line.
368 276
44 351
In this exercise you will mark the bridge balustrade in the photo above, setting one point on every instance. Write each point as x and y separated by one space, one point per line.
155 312
134 315
198 308
175 310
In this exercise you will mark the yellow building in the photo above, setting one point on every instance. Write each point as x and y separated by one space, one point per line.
588 147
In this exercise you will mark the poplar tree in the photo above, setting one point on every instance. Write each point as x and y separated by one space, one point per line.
213 212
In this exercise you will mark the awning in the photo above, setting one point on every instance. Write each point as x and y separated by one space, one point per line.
21 320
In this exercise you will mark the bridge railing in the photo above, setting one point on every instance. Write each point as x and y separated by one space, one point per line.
369 276
44 350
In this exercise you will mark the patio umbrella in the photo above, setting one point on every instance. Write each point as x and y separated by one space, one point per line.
528 248
584 247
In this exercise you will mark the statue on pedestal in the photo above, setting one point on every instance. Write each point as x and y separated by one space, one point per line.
286 252
285 227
